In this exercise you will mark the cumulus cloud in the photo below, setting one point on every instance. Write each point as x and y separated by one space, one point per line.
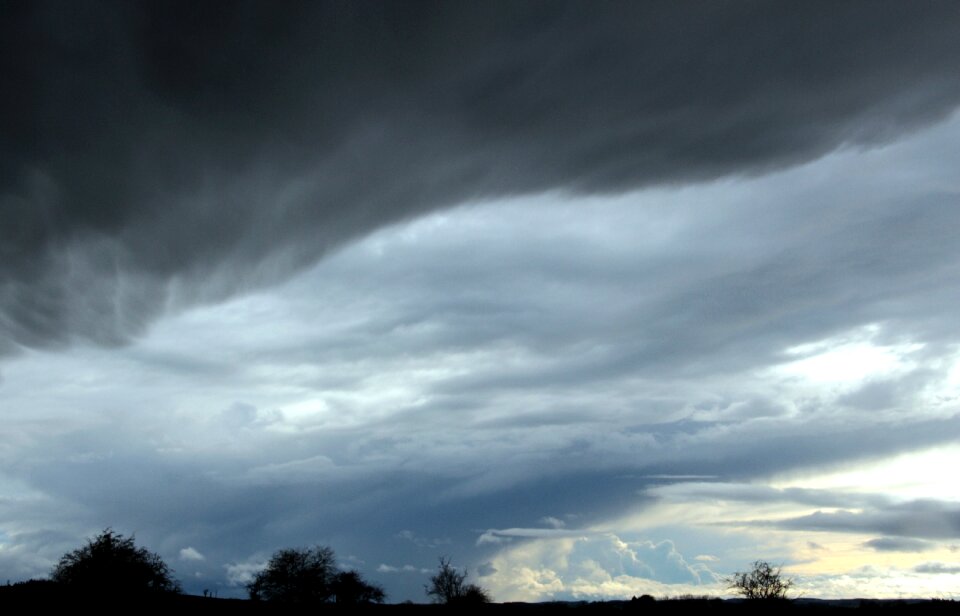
241 574
877 582
145 171
594 567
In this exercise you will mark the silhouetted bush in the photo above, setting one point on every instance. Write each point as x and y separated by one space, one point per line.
111 564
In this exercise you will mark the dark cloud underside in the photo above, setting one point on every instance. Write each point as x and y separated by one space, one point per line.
919 519
898 544
159 154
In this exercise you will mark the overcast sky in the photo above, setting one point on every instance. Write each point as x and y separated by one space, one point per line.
594 299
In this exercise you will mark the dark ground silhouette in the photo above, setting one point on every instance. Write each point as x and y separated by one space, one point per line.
37 595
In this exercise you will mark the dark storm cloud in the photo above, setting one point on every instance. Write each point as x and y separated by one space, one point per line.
157 155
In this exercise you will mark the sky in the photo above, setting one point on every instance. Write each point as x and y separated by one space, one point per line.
595 300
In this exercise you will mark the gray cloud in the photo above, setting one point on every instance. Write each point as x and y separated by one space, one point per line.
385 568
157 156
800 444
898 544
751 493
921 519
935 567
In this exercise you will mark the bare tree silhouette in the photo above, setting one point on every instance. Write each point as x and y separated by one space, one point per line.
449 586
763 581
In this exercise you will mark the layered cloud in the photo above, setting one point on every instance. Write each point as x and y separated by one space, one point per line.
928 519
938 568
898 544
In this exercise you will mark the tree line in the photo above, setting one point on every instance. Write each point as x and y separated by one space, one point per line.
111 564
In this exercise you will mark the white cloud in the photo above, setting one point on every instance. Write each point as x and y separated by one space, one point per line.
385 568
596 565
495 535
849 358
241 574
190 553
881 582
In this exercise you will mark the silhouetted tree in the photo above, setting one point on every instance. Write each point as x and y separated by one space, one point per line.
449 586
308 576
350 588
296 575
112 564
764 581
